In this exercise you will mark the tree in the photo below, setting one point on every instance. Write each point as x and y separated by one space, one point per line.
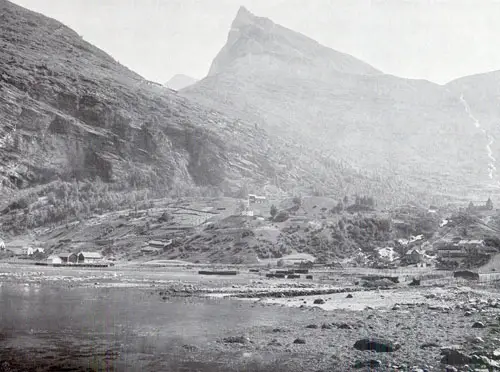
489 204
273 211
470 208
346 200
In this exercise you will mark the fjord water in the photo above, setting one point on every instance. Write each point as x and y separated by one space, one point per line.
117 328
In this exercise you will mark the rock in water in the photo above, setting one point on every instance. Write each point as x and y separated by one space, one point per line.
376 344
478 325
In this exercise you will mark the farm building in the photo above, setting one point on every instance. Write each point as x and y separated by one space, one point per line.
414 256
31 250
252 198
54 259
89 257
18 247
68 257
159 243
151 250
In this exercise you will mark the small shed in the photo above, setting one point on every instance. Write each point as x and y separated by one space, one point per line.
89 257
54 259
151 250
68 257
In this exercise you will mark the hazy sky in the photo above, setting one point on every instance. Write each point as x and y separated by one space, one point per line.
437 40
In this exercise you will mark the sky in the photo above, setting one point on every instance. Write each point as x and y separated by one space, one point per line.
437 40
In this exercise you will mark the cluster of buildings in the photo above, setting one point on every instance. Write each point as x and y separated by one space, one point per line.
447 251
75 258
20 248
458 249
156 246
254 205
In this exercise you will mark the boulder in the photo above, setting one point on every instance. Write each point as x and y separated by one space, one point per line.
312 326
415 282
236 340
376 344
455 357
299 341
478 325
349 296
319 301
274 342
344 326
371 363
429 345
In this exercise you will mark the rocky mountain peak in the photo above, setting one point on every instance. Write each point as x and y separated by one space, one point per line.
256 42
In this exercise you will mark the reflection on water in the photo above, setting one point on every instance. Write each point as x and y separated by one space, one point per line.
113 324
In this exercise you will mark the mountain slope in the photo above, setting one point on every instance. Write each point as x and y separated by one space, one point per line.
481 93
180 81
333 103
69 111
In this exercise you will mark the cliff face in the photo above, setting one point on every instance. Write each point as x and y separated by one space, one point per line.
68 110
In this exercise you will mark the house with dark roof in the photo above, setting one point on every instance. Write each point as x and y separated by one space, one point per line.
68 257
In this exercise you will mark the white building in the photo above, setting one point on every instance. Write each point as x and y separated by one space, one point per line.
256 199
54 259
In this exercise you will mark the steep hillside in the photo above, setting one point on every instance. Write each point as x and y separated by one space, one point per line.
332 103
481 92
69 111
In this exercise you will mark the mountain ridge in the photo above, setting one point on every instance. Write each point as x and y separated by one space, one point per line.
413 128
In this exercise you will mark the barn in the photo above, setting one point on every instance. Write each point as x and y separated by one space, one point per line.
89 257
68 257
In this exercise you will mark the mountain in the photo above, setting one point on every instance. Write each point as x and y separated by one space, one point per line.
180 81
71 112
329 102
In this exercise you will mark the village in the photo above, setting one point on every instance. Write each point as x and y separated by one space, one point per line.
449 246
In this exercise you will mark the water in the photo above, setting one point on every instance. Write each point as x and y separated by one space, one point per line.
83 328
